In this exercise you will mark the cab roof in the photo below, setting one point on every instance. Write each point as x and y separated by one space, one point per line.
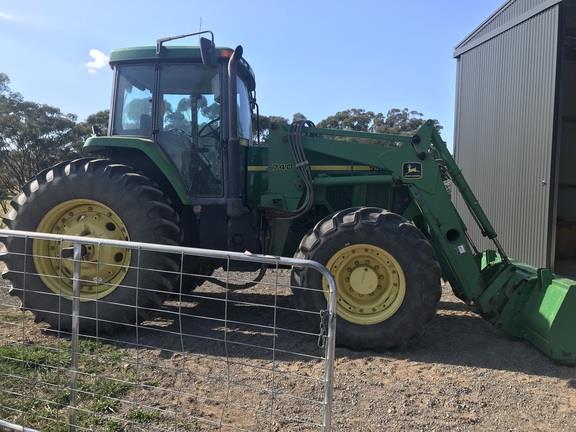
174 52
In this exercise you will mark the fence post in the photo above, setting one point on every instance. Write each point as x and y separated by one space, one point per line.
75 337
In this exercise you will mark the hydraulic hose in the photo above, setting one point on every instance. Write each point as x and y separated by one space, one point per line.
305 173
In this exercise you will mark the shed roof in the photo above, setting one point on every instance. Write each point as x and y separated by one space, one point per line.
509 15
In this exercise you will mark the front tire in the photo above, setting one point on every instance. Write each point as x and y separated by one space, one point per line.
94 198
387 278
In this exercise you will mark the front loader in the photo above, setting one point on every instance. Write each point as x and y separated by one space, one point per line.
180 166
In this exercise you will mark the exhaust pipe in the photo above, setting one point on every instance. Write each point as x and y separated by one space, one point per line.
234 203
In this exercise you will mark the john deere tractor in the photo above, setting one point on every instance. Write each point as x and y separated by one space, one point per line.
180 167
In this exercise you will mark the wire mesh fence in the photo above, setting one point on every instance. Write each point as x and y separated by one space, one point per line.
120 336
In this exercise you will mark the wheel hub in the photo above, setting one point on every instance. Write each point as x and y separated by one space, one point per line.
102 268
364 280
370 282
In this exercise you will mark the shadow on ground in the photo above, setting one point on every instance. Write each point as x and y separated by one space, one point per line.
456 336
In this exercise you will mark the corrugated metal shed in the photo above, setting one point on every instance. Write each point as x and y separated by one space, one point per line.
505 123
511 13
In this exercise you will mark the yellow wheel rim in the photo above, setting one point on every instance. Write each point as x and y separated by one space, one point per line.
102 269
370 282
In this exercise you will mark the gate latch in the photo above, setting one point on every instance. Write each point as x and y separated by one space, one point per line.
325 318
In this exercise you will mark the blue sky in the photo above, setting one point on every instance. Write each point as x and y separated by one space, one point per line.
315 57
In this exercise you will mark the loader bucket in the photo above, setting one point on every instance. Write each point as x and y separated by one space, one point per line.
550 317
532 304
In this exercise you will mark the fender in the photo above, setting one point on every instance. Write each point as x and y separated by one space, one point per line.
147 148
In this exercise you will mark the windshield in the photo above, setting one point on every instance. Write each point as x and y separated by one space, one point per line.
133 105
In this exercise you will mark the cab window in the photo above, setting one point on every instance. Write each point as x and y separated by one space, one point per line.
189 125
134 97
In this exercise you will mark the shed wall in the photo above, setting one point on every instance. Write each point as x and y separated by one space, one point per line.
504 133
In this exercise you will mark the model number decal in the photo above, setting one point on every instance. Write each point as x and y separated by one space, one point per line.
282 166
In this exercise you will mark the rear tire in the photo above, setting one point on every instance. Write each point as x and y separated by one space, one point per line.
388 280
140 206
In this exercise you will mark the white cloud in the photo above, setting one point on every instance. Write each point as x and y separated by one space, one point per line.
7 17
20 19
99 60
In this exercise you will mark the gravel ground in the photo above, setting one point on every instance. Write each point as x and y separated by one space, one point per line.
461 375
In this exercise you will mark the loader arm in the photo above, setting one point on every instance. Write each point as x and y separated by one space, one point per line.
522 300
446 230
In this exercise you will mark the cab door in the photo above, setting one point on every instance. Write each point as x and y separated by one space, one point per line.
189 125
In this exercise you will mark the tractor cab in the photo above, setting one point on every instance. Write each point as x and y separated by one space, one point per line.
179 98
183 115
181 112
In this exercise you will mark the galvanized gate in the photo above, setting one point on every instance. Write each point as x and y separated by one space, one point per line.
210 359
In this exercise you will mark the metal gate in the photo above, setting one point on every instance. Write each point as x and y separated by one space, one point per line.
213 358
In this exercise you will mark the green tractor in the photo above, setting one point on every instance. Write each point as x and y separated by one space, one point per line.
180 167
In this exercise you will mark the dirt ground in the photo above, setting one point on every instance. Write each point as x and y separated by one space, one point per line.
461 375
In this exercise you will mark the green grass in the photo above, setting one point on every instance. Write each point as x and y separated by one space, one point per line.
144 416
35 382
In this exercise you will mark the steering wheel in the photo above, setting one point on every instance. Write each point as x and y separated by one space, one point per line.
209 130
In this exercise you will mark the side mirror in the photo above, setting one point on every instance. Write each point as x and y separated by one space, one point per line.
207 51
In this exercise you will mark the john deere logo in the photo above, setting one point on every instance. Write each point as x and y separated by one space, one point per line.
412 170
